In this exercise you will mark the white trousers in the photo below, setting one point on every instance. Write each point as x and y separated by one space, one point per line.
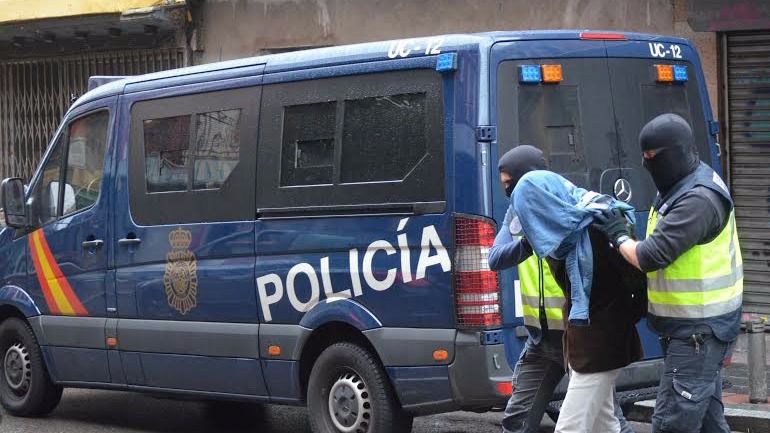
589 404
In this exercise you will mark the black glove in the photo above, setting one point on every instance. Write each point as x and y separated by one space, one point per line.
526 246
613 224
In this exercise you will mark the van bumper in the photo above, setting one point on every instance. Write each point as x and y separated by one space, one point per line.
478 378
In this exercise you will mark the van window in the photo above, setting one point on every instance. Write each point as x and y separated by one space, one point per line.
345 143
550 118
571 121
85 161
307 151
166 151
193 157
217 147
45 193
383 137
633 80
168 157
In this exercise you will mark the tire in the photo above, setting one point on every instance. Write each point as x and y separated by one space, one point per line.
25 386
355 376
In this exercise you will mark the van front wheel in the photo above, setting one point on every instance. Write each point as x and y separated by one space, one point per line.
25 387
348 392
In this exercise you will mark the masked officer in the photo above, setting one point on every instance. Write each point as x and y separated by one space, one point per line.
694 276
541 365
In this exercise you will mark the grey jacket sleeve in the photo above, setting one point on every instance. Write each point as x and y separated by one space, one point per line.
507 252
696 218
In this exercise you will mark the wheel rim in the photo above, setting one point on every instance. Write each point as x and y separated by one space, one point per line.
17 368
349 404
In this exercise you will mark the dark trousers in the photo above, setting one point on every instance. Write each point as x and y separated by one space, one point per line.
690 393
539 370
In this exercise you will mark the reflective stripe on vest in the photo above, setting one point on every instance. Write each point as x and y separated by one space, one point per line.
529 277
705 281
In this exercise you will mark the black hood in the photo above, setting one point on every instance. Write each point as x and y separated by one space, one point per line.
519 161
676 155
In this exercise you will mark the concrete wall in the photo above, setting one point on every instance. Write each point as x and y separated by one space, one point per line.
240 28
706 43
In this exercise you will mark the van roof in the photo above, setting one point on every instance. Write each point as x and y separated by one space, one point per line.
344 54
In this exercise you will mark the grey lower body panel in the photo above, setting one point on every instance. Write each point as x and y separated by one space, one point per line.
399 347
234 340
68 331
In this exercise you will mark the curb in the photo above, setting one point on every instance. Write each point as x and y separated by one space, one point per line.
740 418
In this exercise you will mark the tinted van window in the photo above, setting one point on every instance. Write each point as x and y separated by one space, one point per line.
169 152
375 139
571 121
193 157
45 193
383 137
166 153
634 80
85 161
307 151
217 147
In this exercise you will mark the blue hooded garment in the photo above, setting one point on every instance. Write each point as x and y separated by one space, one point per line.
554 215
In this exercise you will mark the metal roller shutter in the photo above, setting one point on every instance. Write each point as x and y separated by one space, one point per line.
36 92
748 102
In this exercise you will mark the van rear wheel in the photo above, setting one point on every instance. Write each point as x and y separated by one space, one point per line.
25 387
349 392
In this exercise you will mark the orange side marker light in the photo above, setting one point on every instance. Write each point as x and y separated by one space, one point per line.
440 354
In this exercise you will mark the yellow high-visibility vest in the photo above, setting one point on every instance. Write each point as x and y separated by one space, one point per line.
705 281
554 300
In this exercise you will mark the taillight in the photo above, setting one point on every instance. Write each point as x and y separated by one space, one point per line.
477 296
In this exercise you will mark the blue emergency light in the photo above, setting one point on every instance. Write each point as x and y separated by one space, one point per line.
446 62
680 73
530 74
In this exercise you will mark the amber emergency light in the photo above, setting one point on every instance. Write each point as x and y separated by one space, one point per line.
665 73
552 73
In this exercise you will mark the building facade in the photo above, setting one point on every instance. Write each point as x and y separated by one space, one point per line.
49 48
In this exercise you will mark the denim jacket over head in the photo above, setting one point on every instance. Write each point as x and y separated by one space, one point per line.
554 215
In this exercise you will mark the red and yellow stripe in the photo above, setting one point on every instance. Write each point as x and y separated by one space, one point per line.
59 296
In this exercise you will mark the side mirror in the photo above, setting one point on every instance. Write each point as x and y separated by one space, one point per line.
12 202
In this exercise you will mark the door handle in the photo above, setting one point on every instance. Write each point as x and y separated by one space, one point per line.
93 244
129 241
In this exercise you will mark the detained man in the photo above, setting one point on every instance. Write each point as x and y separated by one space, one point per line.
540 367
600 312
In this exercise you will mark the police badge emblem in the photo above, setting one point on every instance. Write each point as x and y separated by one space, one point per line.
181 276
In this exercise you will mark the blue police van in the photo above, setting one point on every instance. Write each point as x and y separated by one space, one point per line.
311 228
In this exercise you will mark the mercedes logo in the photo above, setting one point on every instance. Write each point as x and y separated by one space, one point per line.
622 190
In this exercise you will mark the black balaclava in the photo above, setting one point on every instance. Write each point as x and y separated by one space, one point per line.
519 161
676 155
